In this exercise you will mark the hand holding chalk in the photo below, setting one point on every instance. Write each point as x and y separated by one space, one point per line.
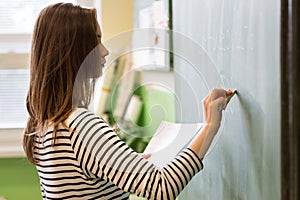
214 103
229 94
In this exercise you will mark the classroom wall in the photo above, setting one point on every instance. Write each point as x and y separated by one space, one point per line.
117 17
232 44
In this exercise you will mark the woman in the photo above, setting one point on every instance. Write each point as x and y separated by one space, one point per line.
77 155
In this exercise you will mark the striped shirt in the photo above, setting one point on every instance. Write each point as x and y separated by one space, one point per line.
89 161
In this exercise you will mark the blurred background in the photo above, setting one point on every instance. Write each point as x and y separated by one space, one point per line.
118 19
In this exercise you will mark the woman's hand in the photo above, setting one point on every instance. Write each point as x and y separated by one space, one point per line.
146 156
213 105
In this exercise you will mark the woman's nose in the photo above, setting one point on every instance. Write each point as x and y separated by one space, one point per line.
104 50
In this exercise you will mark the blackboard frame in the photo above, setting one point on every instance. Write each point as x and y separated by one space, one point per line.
290 99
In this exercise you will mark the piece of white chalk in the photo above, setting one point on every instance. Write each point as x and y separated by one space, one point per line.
230 96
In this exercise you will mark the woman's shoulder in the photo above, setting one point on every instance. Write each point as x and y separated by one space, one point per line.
82 115
85 123
79 111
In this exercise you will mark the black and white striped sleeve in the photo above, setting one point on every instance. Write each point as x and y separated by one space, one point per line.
103 155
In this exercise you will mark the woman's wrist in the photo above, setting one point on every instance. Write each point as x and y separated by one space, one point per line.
212 129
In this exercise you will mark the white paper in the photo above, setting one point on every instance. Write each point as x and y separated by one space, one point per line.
169 139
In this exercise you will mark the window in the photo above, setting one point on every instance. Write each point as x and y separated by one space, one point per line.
13 87
18 16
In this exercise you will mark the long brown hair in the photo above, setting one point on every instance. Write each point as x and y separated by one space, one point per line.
64 35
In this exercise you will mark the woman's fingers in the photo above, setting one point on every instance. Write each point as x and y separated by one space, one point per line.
220 103
229 92
217 92
146 156
216 113
213 105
